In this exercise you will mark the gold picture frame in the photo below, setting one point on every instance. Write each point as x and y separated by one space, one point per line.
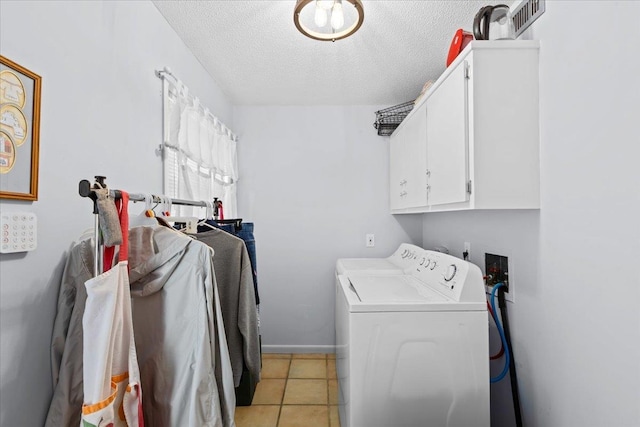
20 91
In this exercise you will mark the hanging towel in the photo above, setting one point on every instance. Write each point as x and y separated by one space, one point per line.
109 221
112 391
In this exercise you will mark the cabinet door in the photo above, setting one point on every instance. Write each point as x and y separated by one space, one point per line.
447 140
407 170
416 158
397 190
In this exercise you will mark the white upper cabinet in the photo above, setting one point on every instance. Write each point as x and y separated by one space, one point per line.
447 141
473 141
408 175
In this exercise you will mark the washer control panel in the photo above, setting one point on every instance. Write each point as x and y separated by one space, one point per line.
18 232
444 273
406 255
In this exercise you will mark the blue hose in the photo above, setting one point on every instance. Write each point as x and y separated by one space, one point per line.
507 358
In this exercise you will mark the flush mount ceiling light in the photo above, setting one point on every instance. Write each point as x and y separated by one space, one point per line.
328 20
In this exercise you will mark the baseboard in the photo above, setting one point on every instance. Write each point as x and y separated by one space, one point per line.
298 348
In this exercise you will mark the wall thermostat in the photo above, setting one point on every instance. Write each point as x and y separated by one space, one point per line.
18 232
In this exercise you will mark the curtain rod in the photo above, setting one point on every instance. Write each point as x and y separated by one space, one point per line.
166 72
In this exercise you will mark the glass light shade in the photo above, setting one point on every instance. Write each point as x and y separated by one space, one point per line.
345 16
320 17
337 16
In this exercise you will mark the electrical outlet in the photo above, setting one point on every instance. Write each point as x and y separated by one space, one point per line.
371 242
497 270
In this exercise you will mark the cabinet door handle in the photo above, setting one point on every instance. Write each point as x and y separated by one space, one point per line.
403 182
428 188
428 172
403 193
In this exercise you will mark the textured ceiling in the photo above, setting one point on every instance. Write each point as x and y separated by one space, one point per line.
254 52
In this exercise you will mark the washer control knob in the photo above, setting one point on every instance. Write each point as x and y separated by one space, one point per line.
451 272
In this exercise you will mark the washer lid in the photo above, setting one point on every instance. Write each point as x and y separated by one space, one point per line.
398 293
394 289
374 266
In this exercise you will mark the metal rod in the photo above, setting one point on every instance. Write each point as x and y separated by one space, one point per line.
96 242
515 393
85 189
165 132
101 255
156 199
224 180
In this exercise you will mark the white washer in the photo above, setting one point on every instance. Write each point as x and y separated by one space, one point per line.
405 256
412 349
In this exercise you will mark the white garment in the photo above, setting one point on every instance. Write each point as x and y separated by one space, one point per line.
112 392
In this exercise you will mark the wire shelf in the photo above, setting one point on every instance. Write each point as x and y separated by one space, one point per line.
388 119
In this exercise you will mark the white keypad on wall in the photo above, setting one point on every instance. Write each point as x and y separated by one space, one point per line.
18 231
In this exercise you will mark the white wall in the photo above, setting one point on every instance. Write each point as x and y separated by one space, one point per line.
576 318
101 115
314 180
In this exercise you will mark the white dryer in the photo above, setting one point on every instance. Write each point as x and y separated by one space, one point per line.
412 349
401 259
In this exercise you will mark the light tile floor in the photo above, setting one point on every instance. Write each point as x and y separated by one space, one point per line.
297 390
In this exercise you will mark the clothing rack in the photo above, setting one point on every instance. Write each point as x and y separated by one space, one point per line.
86 189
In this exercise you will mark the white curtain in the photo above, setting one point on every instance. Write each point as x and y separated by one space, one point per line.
200 160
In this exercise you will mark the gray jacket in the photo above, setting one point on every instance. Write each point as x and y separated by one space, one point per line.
178 327
237 298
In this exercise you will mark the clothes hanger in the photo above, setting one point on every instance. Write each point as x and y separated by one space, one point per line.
208 216
237 222
147 217
191 223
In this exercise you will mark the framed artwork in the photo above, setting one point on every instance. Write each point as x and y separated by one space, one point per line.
19 131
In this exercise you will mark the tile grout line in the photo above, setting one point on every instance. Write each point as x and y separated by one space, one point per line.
284 390
326 367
